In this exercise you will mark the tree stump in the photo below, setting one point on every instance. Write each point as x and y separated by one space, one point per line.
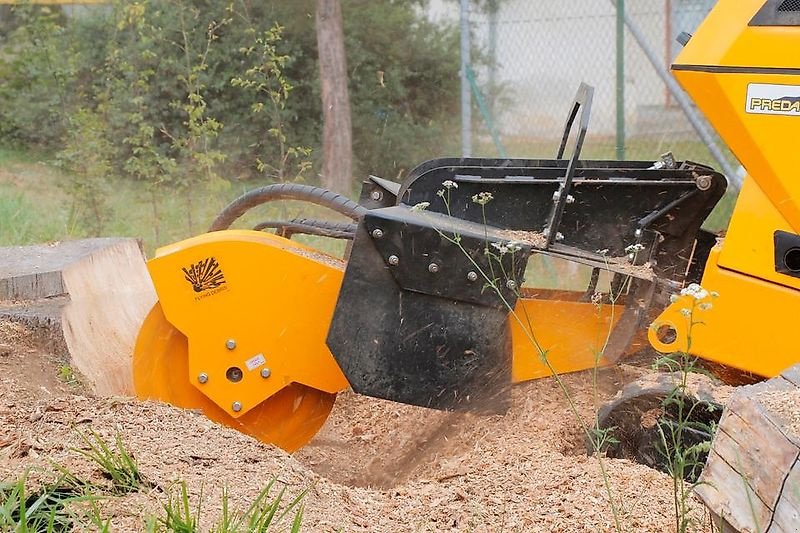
86 299
751 482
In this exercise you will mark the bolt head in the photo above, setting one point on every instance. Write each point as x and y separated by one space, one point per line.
511 284
376 195
703 182
202 377
377 233
266 372
394 260
230 344
433 268
472 275
237 406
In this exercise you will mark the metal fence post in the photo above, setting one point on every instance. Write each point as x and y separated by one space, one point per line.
621 79
466 102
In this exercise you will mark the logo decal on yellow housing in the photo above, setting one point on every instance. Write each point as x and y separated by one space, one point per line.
768 99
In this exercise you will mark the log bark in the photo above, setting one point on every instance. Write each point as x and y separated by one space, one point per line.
751 482
337 144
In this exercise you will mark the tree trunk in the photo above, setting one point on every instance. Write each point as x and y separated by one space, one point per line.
337 145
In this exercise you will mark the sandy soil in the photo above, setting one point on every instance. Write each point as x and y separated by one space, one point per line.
375 466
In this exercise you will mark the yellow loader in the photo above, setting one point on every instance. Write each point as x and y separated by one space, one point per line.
446 296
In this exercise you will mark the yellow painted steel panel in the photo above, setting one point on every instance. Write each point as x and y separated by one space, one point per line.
750 326
249 301
572 334
749 245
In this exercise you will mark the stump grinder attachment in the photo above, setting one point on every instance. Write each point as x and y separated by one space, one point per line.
261 332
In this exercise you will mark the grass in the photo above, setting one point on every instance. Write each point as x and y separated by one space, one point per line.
35 208
44 511
116 463
70 504
263 514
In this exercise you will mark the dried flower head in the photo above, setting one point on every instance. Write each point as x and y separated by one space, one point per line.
422 206
482 198
449 184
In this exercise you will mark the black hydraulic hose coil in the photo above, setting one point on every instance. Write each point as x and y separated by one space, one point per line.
286 191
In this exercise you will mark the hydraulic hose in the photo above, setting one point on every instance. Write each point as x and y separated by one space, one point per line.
286 191
324 228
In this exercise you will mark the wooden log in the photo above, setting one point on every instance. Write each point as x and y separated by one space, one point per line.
752 477
88 297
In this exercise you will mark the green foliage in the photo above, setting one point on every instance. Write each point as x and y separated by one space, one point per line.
262 515
687 424
23 222
178 516
40 512
172 86
116 463
86 160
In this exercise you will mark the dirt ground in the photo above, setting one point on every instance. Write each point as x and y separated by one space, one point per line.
375 466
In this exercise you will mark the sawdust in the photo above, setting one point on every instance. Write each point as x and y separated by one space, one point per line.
534 239
320 257
783 404
376 466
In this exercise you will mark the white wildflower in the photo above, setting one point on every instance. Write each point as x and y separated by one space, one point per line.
633 248
597 298
695 291
714 294
604 251
514 247
673 298
440 193
482 198
449 184
705 306
500 247
422 206
686 312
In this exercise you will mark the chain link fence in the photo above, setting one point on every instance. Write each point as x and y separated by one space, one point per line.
530 57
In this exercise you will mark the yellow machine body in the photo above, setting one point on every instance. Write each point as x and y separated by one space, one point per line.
746 80
538 332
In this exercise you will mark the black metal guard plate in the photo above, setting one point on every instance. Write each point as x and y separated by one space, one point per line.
610 201
404 333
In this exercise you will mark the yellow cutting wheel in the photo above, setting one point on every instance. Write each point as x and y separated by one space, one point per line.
288 419
239 333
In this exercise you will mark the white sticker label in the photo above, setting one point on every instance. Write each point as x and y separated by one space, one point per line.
766 99
255 362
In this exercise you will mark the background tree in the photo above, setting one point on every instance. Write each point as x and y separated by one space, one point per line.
337 143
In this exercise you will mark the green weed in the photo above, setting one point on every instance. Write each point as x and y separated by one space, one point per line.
39 512
116 464
263 514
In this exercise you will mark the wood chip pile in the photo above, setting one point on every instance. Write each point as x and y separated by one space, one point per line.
376 466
